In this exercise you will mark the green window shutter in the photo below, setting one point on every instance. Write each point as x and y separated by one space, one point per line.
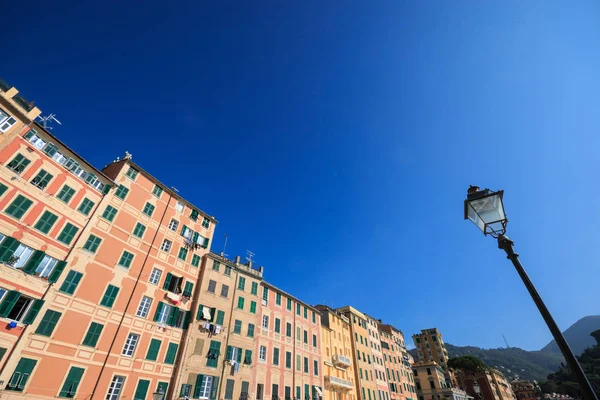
157 191
242 283
153 350
250 330
86 206
71 282
314 317
277 325
93 334
198 387
297 309
275 356
19 207
298 394
248 357
48 323
199 313
278 299
265 293
65 194
220 317
171 353
142 390
163 386
3 189
58 269
238 357
106 189
148 209
194 215
19 378
33 311
42 179
195 260
183 252
314 340
254 289
205 243
184 229
215 388
237 326
253 307
109 296
126 259
213 313
288 359
121 192
187 320
240 304
189 288
167 281
305 312
50 149
214 351
159 308
9 302
306 392
109 213
131 173
92 243
228 353
46 222
69 388
289 304
172 318
18 163
7 248
229 389
68 233
33 262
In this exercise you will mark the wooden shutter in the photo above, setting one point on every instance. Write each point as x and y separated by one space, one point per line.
159 308
187 320
33 262
33 311
228 355
213 311
72 382
198 387
167 280
215 388
7 248
58 269
141 390
9 302
239 355
199 314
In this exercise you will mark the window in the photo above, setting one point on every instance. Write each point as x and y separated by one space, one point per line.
298 309
131 173
69 388
224 291
240 303
23 371
213 354
265 322
44 224
20 256
148 209
305 312
262 353
183 252
48 323
92 243
242 283
278 299
229 389
220 317
157 191
179 206
194 215
139 230
288 329
288 359
93 334
254 289
205 222
173 225
306 365
121 192
18 207
130 344
144 307
306 336
265 295
71 282
212 286
277 328
171 353
253 307
18 163
432 384
166 245
275 356
173 283
141 389
314 318
298 362
215 265
109 296
155 276
195 260
162 313
86 206
205 387
289 304
6 121
316 367
314 337
126 259
114 390
237 326
46 266
227 270
250 330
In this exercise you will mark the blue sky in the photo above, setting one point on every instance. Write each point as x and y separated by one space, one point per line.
337 141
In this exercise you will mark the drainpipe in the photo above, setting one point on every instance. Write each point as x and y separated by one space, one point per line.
294 363
228 336
12 351
114 339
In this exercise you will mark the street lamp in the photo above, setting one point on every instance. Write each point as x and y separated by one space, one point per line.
477 388
159 394
486 210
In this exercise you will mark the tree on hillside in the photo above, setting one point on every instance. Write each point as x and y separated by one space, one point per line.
467 363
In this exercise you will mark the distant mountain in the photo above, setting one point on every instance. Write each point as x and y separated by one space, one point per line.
513 362
578 335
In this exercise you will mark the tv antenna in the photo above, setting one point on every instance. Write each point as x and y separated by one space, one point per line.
249 255
505 341
48 118
225 245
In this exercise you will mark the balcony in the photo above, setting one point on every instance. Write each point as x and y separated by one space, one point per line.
25 105
342 361
4 86
338 383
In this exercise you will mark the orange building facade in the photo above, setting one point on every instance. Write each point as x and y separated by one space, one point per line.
397 363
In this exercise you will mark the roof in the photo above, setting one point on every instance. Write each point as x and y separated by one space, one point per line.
269 285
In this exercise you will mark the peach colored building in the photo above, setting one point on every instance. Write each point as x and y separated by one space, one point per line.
338 360
288 348
219 358
378 364
397 363
112 326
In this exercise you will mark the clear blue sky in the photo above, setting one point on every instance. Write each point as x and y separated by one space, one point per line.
337 140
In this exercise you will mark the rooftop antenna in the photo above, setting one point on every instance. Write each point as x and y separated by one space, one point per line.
505 341
173 188
225 246
249 255
48 118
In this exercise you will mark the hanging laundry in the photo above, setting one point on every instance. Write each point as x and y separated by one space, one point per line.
218 329
236 366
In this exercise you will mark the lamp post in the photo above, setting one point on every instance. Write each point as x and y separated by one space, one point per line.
159 394
476 388
486 210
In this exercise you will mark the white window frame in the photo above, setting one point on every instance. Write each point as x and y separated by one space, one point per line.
22 249
234 353
206 387
130 345
46 266
179 206
144 307
3 293
59 158
114 390
173 225
164 314
166 245
24 310
262 353
6 121
265 322
155 276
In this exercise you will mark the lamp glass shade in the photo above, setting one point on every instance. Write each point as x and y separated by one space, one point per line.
486 210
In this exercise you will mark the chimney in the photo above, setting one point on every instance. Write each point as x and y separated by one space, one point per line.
250 264
261 269
237 260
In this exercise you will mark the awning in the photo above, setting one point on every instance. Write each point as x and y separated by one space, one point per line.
206 313
318 390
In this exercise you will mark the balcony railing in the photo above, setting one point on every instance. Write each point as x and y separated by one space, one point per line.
4 86
339 382
20 100
342 361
